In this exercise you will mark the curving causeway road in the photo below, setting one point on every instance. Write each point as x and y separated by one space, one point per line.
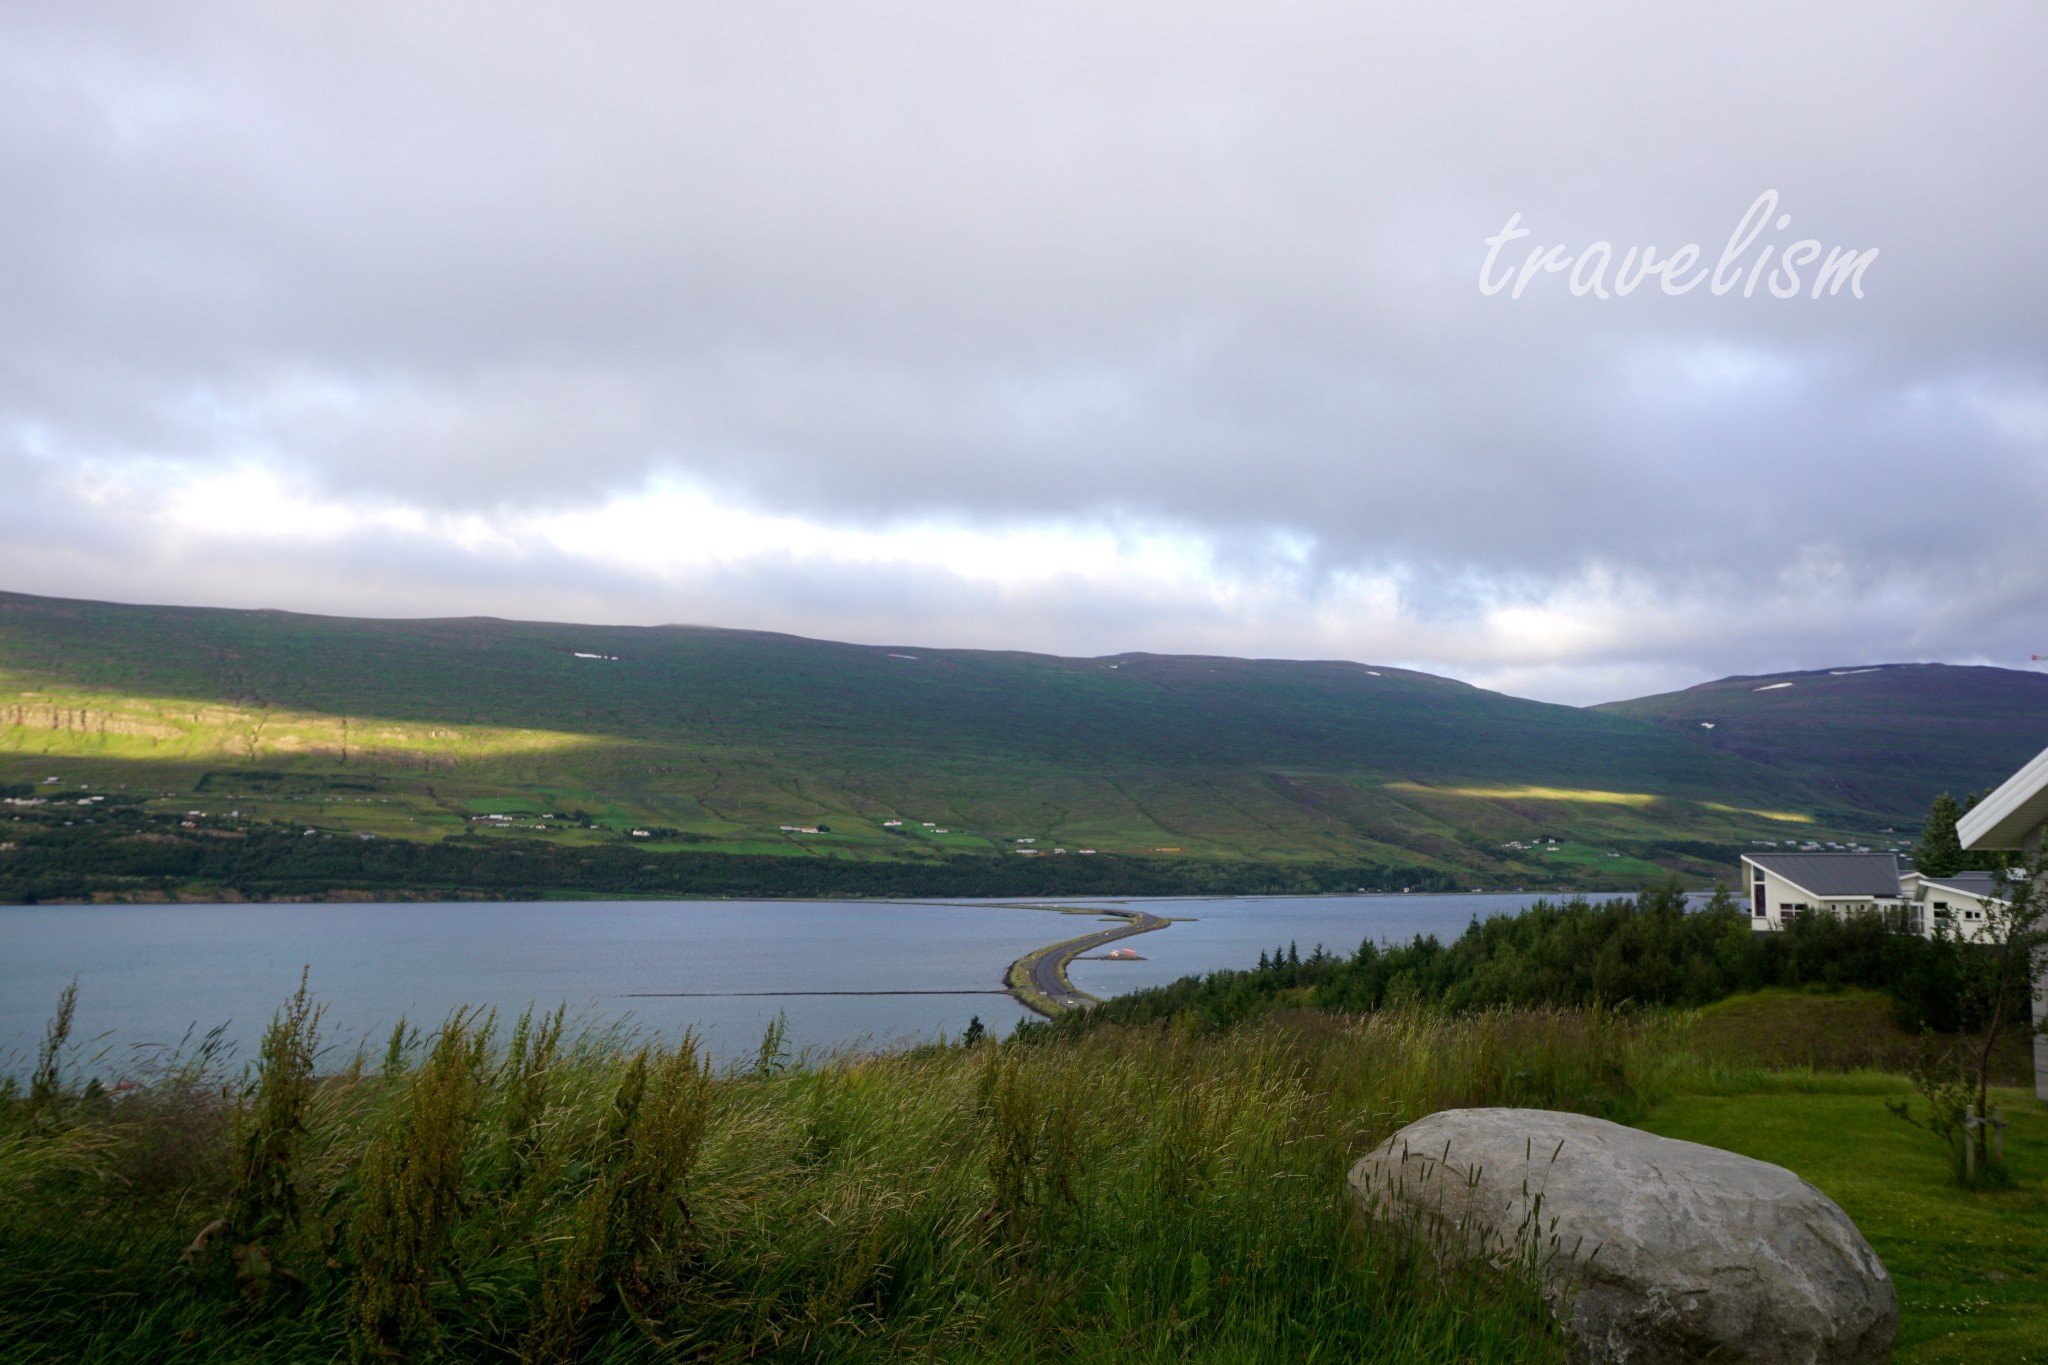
1044 986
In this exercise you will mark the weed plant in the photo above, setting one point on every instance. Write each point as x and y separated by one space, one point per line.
1155 1192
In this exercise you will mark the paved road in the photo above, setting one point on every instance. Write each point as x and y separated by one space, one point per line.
1049 972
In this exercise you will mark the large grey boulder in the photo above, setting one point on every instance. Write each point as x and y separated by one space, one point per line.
1651 1251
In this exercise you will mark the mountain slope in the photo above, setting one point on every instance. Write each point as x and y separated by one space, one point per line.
713 739
716 741
1883 738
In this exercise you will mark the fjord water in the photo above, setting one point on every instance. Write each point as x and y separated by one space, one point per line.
148 974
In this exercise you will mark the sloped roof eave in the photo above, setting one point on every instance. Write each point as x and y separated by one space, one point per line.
2012 812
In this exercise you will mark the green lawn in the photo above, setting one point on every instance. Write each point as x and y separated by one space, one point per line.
1971 1266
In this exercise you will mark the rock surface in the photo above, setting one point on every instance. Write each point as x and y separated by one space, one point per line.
1652 1251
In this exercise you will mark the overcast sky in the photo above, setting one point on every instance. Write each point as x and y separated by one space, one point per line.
1079 327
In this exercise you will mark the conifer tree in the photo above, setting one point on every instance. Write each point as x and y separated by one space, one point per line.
1940 850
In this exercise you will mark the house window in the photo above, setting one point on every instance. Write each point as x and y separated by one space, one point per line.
1941 909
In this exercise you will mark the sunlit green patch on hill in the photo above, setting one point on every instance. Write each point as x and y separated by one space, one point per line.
1792 817
1563 794
43 721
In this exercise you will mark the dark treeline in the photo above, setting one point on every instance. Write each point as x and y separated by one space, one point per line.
1644 951
128 854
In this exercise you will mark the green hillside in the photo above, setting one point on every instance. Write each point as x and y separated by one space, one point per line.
1883 738
698 741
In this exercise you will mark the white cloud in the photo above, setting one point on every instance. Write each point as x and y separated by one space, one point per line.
245 537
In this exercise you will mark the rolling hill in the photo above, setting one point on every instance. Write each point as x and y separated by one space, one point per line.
696 741
1883 738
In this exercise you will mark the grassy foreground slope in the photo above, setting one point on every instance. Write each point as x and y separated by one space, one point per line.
1885 738
730 742
1141 1196
1799 1072
1160 1192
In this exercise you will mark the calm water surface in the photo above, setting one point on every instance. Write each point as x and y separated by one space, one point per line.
148 974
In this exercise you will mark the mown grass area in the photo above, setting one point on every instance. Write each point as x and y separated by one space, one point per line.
1158 1194
1971 1266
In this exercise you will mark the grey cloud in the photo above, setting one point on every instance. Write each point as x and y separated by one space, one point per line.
1211 265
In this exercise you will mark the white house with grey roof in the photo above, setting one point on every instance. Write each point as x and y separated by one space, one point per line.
1783 886
2015 816
1964 902
1780 887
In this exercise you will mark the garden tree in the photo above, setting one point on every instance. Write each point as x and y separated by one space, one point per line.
2015 937
1995 967
1940 852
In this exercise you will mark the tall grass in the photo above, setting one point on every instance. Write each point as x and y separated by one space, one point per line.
268 1125
410 1192
1156 1192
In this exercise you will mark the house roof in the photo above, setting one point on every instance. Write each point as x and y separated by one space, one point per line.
2011 814
1833 874
1981 885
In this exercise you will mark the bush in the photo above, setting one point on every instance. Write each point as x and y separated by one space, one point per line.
1647 951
